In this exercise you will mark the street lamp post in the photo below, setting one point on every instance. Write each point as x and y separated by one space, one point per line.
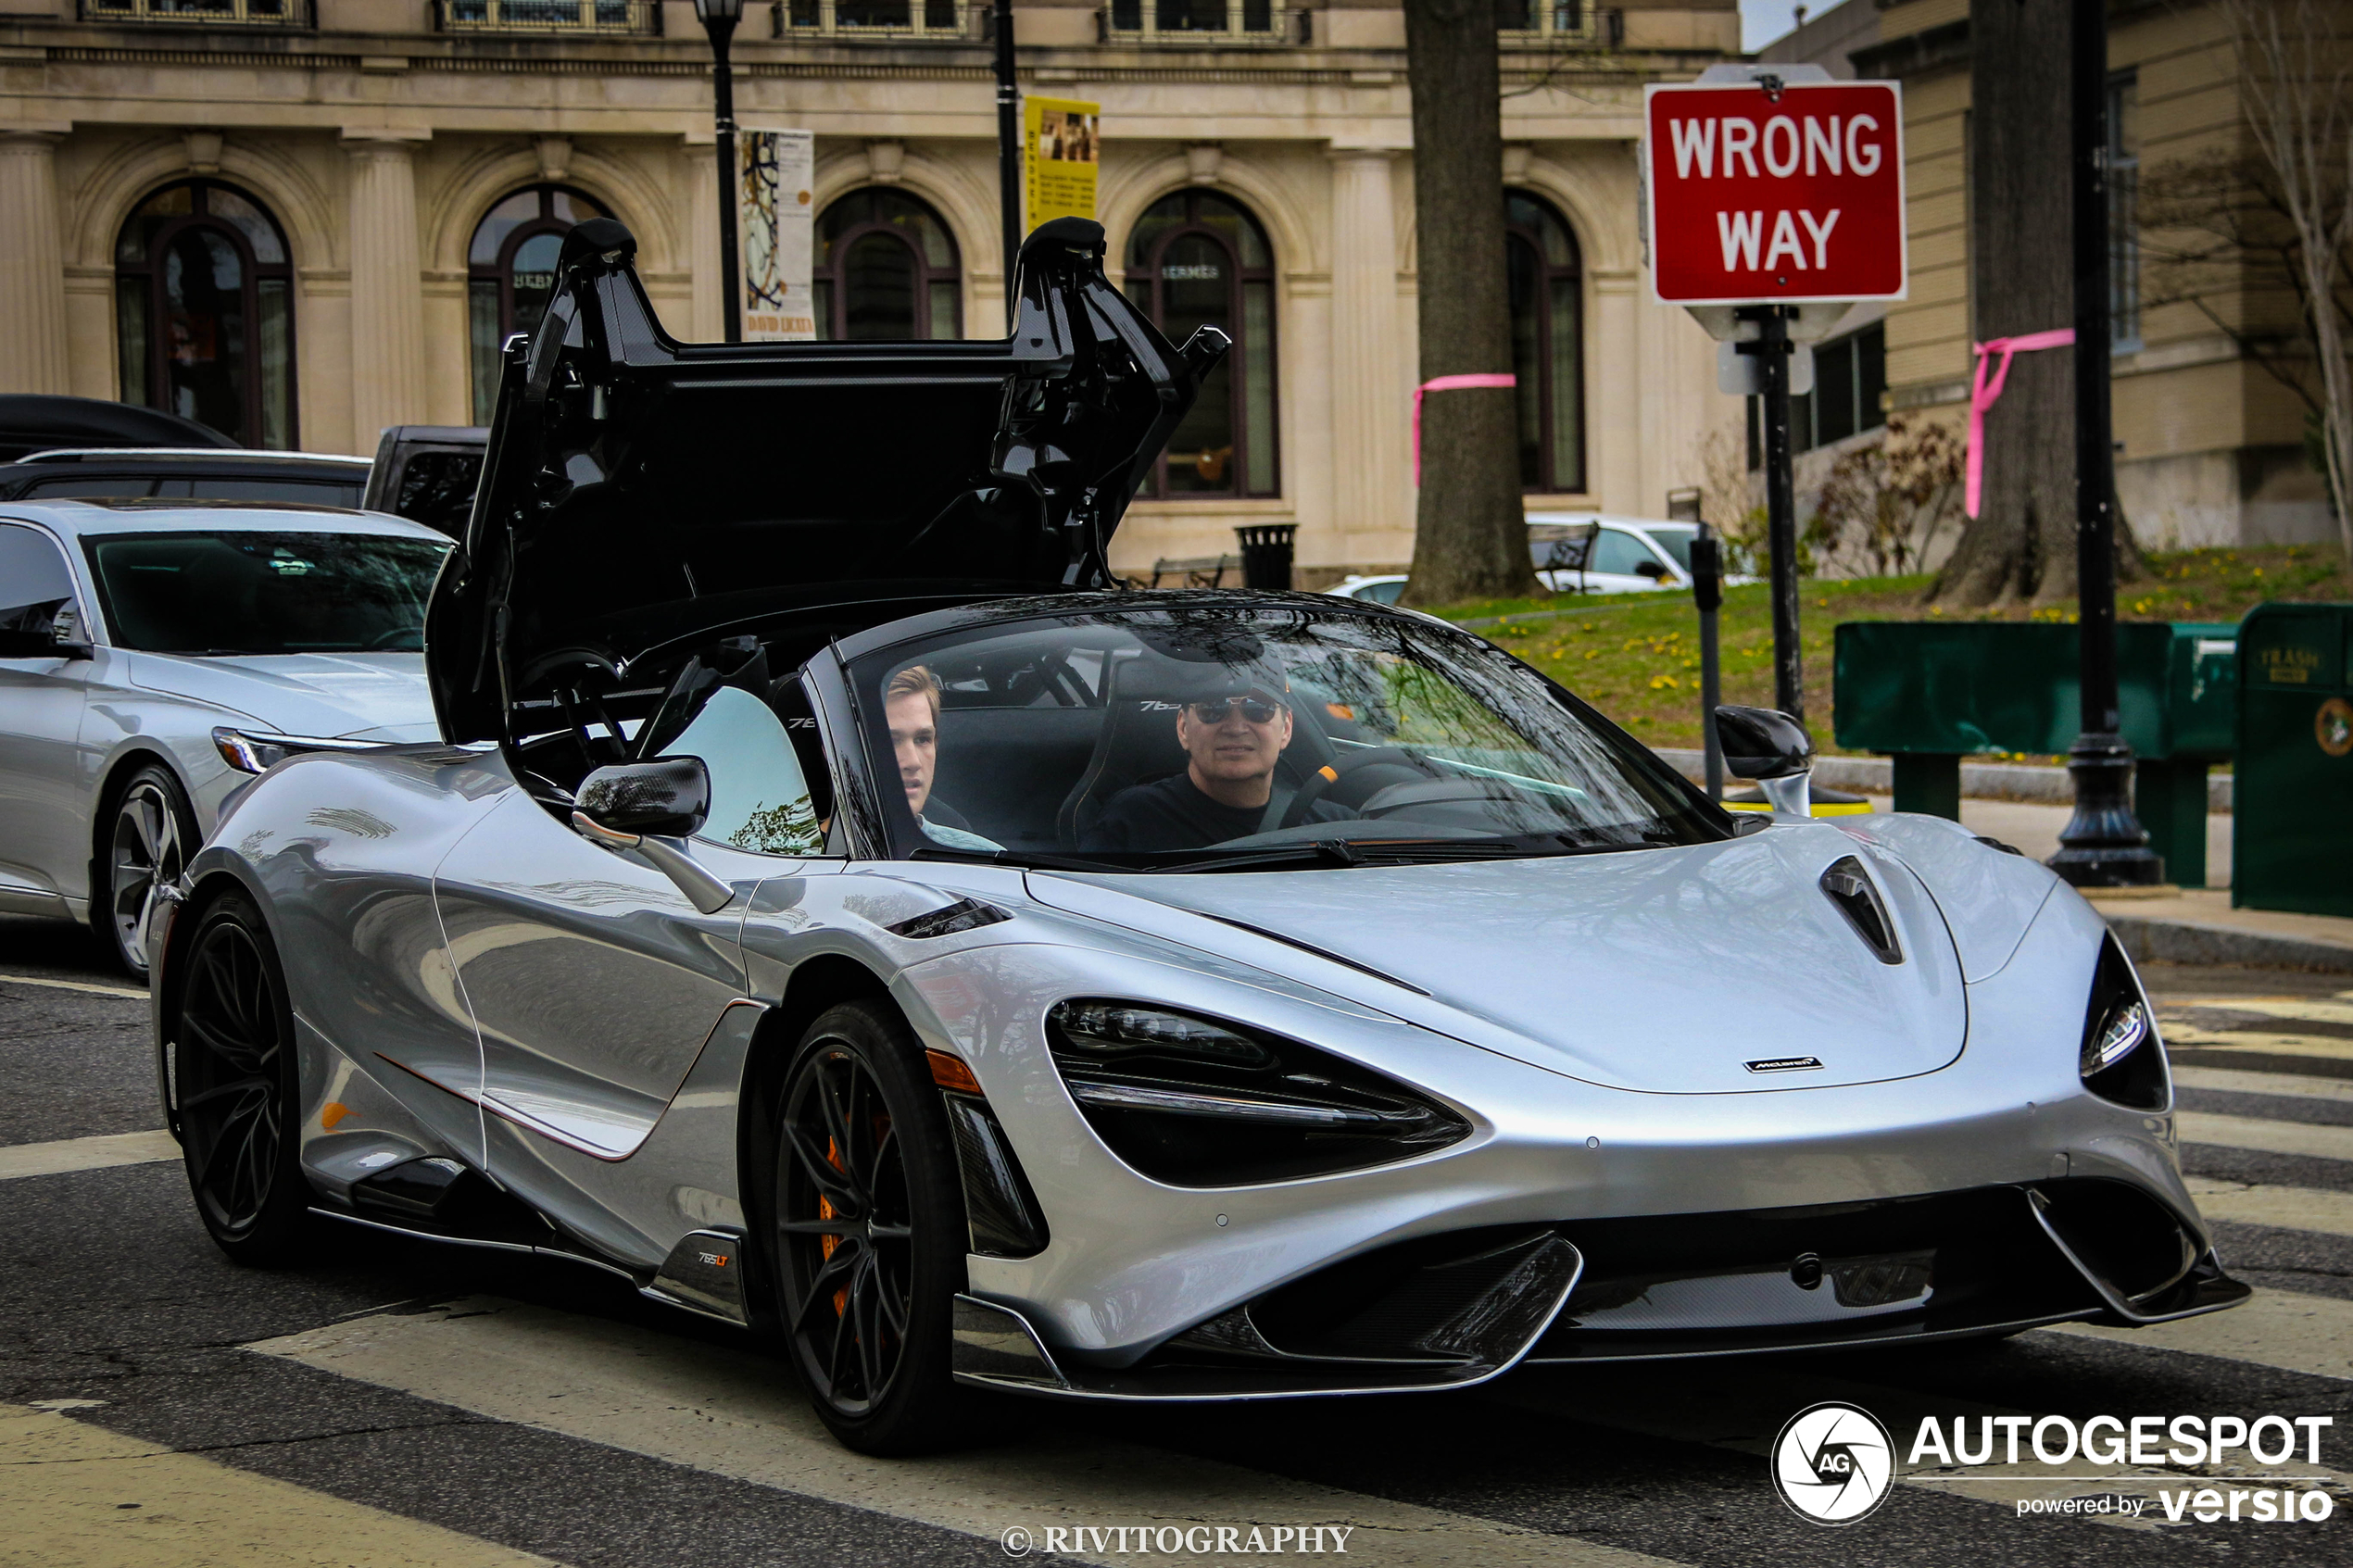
1009 148
719 19
2104 843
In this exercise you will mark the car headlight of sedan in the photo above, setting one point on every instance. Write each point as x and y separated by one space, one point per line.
2121 1058
1198 1103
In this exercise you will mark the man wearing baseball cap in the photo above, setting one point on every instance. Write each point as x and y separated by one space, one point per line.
1233 726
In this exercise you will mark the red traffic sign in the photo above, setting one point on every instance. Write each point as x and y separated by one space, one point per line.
1757 197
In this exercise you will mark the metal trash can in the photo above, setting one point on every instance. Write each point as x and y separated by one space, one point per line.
2292 822
1267 554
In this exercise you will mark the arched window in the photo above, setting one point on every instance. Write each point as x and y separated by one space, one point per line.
510 270
885 267
1548 343
204 312
1198 259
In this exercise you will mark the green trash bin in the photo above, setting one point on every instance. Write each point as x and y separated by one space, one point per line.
1929 692
2292 824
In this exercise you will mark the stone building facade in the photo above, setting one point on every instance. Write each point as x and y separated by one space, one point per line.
2210 442
302 219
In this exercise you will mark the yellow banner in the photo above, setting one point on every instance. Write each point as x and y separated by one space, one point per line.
1061 146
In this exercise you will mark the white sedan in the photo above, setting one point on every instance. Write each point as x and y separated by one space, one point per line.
1586 553
144 644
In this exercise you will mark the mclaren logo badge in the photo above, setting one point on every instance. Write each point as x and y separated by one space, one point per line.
1785 1065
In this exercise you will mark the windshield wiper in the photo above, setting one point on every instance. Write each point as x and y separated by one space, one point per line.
1344 852
1035 860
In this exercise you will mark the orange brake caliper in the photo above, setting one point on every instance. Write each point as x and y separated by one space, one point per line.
826 1243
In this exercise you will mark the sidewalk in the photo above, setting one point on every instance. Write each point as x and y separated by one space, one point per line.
2198 925
1980 781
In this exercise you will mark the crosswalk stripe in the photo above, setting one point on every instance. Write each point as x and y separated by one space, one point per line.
2234 1080
728 1413
78 1495
2312 1335
2271 1137
2295 1209
85 1154
57 984
2308 1010
2184 1036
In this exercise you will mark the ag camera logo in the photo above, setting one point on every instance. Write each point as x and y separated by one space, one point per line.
1833 1463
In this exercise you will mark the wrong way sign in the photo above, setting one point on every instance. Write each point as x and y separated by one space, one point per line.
1783 191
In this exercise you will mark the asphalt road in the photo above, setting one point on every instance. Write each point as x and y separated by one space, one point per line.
390 1404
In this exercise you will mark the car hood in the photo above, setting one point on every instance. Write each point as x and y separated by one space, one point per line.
350 696
639 493
1665 970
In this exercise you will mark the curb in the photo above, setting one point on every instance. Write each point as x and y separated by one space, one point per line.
1980 781
2178 941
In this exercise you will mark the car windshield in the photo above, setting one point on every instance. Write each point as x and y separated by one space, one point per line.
1242 737
235 591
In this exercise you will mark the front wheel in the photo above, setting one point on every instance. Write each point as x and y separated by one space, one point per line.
152 832
869 1237
237 1087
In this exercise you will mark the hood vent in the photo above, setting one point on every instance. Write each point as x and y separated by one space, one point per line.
1850 887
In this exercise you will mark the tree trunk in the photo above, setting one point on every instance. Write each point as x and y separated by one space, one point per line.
2022 543
1471 538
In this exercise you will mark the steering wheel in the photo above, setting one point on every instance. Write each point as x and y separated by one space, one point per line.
1322 780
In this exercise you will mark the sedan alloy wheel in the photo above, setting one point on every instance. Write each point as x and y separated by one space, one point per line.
145 854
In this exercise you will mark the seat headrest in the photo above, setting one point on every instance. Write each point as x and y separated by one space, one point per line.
1167 680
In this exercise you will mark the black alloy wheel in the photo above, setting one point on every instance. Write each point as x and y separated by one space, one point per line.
869 1232
151 834
236 1085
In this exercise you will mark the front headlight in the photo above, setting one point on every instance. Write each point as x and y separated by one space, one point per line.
2122 1058
1198 1103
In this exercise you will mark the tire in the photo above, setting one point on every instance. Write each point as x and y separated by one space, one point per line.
148 834
868 1240
237 1088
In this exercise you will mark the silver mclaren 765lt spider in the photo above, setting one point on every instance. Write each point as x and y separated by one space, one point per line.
840 907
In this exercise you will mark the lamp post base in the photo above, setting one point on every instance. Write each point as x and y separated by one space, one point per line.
2104 843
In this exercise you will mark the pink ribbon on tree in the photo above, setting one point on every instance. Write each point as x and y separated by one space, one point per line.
1447 383
1983 396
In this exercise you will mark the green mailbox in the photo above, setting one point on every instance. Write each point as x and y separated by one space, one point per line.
1932 691
2292 826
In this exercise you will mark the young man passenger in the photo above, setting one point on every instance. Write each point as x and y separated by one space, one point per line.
910 708
1232 745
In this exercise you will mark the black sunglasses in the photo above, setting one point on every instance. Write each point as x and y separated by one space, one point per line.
1253 709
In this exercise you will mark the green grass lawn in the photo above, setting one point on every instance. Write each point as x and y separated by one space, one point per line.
1636 656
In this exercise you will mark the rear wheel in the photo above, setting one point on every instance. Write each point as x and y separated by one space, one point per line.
237 1086
869 1242
150 835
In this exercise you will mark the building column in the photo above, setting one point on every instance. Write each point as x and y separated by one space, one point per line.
707 322
1370 491
1615 420
33 266
388 384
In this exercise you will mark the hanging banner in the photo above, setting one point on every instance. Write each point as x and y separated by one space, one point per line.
777 228
1061 146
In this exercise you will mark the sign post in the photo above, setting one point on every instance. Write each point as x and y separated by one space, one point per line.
1770 193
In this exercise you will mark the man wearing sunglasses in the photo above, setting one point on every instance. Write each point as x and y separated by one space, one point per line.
1232 739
